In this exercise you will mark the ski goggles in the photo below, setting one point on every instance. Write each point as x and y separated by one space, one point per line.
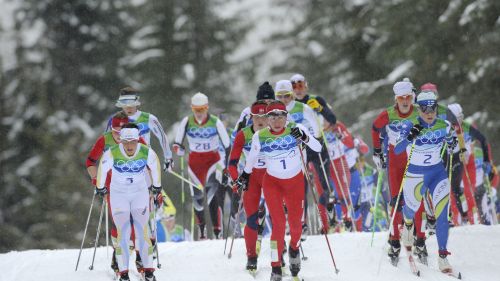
128 101
200 109
298 85
404 98
428 108
277 115
287 95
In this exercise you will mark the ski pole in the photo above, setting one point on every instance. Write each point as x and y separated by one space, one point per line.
107 230
317 206
394 210
237 222
85 231
450 159
227 225
91 267
154 226
183 200
304 258
348 191
198 186
380 180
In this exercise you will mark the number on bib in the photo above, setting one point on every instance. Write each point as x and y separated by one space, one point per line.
284 163
427 159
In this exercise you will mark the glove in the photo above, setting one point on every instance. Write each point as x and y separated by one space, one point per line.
156 190
487 168
101 191
158 199
453 144
414 132
225 177
168 164
315 105
298 134
378 158
93 181
178 149
242 181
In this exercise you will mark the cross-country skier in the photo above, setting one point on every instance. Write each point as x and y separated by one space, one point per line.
103 143
283 181
390 123
323 112
204 132
253 191
299 113
461 158
129 102
130 164
423 142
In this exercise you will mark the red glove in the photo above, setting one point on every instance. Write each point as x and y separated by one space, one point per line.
159 199
94 181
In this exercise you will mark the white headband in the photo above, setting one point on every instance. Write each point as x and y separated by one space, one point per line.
129 134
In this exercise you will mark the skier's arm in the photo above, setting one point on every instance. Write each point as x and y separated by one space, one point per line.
476 134
326 111
157 129
105 165
253 154
312 142
235 155
242 121
108 124
221 130
155 168
181 131
94 156
377 127
346 136
310 116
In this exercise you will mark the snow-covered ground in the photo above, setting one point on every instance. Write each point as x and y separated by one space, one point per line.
475 252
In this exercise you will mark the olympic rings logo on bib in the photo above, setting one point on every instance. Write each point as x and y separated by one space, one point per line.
431 137
399 125
202 132
130 166
297 117
280 143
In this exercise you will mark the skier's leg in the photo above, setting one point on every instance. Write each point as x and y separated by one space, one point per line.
456 178
213 202
120 212
294 200
355 190
413 191
140 213
273 194
322 197
439 188
396 171
251 199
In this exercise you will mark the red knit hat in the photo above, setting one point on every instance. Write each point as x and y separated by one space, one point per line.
118 122
429 87
276 106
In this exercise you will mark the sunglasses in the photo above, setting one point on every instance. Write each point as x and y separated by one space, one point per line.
282 96
405 98
428 108
200 109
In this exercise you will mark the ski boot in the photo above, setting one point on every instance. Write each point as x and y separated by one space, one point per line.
276 274
348 225
124 276
252 265
149 276
114 264
394 249
305 230
421 250
217 233
138 262
202 232
407 235
430 225
294 260
444 264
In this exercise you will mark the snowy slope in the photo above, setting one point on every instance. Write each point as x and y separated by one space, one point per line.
475 251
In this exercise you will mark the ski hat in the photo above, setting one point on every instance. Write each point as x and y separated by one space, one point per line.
283 86
129 97
426 99
403 88
258 108
297 78
129 134
277 107
265 92
456 109
199 100
429 87
118 121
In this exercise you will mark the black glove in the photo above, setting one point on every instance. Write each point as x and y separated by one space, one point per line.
225 178
155 189
242 181
414 132
168 164
298 134
101 191
453 143
378 158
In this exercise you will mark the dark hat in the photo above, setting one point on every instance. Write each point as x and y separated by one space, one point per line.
265 92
